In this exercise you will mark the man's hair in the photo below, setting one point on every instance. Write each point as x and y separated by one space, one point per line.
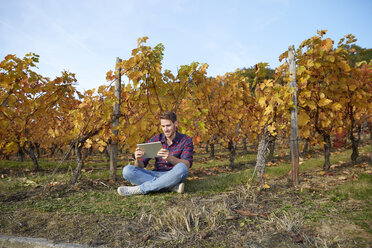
168 115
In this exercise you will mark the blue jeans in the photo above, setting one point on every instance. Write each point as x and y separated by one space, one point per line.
155 180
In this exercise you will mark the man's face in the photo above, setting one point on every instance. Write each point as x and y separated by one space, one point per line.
168 127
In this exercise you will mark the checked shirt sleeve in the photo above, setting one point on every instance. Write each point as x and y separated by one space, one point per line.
188 150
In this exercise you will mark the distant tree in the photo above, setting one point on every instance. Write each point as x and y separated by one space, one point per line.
251 73
358 54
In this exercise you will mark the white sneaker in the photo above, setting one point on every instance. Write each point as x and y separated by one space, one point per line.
129 190
179 188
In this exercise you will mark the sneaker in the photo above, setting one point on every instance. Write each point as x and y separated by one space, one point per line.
179 188
129 190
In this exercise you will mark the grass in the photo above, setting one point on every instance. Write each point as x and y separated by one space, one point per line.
218 183
94 202
221 159
359 190
27 164
213 183
206 203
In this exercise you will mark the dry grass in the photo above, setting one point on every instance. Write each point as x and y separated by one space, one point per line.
198 214
289 222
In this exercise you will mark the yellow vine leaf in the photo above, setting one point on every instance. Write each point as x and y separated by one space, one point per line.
352 87
11 146
311 104
266 186
330 58
269 84
344 66
83 104
370 105
300 69
303 118
262 101
327 44
88 143
325 123
306 93
324 102
336 106
306 133
51 133
271 129
321 32
102 143
268 110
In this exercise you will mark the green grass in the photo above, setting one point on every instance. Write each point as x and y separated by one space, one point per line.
206 185
218 183
93 202
222 159
28 164
361 191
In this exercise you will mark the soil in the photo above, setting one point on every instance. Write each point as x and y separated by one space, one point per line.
253 220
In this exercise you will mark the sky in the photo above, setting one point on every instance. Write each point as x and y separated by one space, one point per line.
85 36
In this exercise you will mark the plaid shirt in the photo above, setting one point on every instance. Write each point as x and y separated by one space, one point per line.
182 147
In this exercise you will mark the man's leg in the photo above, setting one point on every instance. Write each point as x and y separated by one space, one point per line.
137 176
166 180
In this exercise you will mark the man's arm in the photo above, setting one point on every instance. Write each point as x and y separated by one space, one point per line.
138 158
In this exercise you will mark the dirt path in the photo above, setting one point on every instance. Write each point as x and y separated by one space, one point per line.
22 242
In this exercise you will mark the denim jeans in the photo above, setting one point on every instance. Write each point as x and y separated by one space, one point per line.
155 180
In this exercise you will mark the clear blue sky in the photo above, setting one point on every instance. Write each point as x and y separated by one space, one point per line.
86 36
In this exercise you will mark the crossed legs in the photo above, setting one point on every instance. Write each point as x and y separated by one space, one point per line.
155 180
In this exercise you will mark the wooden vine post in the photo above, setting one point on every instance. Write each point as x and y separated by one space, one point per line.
294 119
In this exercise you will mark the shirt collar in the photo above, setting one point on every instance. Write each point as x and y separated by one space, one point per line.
176 139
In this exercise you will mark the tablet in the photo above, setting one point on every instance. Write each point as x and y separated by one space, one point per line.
151 149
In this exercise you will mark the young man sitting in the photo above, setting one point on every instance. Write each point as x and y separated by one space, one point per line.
171 165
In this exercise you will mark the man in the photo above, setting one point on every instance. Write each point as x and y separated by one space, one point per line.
171 165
